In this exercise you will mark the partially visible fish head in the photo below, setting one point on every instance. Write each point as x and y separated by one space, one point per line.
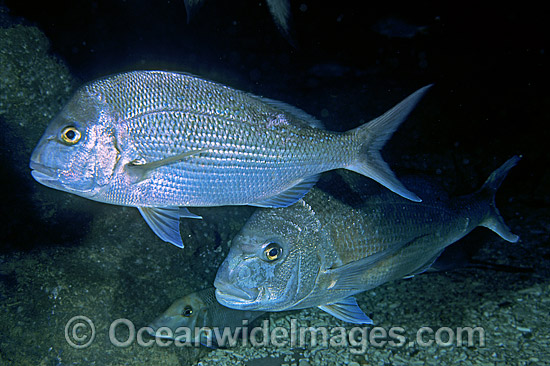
181 318
272 264
78 151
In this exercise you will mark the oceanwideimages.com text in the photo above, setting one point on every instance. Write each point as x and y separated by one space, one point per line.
80 333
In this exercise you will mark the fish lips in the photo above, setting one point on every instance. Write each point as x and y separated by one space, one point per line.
233 297
45 175
163 327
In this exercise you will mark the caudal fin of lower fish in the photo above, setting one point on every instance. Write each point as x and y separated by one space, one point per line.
374 135
493 220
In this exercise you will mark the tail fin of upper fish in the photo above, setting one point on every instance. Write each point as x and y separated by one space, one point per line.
280 11
191 6
374 135
493 220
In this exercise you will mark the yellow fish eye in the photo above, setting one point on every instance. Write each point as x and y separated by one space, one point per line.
188 311
70 135
273 251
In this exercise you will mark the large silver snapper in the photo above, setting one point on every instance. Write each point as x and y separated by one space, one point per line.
199 318
162 141
325 248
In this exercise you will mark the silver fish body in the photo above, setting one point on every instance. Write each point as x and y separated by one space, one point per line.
162 141
326 248
195 317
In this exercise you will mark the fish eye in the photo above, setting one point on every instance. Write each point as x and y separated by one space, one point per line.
187 311
273 251
70 135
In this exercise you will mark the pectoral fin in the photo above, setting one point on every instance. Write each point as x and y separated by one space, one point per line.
291 195
141 171
350 275
165 222
347 310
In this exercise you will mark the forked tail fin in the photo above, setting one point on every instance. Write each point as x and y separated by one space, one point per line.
493 220
374 135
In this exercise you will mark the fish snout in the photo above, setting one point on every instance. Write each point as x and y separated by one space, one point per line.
44 166
36 163
66 168
244 271
235 287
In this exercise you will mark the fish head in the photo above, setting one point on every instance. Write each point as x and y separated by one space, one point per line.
273 262
181 318
79 150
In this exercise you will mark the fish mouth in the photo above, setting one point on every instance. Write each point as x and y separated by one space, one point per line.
52 178
161 332
234 297
42 173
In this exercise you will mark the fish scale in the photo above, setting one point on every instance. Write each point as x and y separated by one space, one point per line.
164 141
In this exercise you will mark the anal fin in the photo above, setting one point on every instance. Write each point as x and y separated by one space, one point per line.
290 196
426 266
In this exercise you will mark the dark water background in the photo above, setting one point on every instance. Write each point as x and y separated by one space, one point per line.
489 66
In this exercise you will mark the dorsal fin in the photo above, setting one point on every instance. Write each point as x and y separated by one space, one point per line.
300 116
